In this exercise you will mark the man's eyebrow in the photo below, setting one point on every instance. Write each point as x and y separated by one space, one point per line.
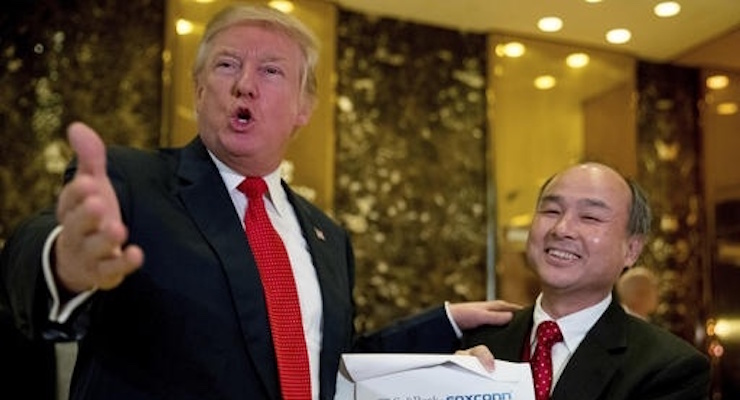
587 202
224 51
551 198
597 203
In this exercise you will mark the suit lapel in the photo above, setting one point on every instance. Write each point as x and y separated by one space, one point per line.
203 193
597 358
509 342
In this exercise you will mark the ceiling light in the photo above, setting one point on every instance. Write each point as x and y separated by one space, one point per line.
667 9
550 24
618 36
511 49
286 7
577 60
718 82
184 27
727 108
594 1
544 82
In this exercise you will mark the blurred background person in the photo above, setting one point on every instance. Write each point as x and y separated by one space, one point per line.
637 290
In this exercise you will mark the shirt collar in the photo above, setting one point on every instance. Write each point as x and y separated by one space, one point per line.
276 192
574 327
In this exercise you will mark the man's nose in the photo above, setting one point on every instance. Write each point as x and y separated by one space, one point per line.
563 226
246 85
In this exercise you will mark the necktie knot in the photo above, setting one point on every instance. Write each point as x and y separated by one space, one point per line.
548 333
253 187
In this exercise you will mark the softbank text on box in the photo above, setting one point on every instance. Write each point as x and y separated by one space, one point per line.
430 377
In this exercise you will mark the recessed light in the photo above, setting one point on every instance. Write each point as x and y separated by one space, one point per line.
618 36
286 7
184 27
728 108
718 82
594 1
544 82
511 49
667 9
577 60
550 24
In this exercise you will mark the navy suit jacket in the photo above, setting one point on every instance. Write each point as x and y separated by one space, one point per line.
192 322
621 358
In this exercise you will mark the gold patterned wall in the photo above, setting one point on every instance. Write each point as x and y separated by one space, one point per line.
411 164
61 62
669 167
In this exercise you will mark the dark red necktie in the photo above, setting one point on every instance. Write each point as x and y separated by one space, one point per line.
548 334
281 295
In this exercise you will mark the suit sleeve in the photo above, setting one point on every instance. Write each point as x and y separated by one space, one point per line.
428 332
23 290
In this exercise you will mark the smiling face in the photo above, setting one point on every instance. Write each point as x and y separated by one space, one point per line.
249 97
578 242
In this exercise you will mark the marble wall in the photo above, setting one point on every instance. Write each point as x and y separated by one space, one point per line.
99 62
411 163
669 167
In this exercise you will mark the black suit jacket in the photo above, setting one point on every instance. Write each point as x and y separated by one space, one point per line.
192 323
621 358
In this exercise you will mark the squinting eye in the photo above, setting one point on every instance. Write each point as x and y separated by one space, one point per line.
549 211
272 70
226 64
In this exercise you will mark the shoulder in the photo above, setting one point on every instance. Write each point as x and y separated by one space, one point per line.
306 209
647 340
510 334
121 156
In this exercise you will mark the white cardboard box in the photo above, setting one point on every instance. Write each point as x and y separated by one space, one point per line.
430 377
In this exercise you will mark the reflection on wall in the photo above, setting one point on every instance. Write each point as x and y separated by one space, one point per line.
411 170
61 62
669 156
726 280
720 121
553 105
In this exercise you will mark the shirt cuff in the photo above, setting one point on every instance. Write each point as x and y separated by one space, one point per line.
59 313
458 331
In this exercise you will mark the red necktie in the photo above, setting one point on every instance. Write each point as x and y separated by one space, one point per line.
548 334
281 295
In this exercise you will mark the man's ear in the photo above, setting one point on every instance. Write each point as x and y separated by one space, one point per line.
635 244
305 110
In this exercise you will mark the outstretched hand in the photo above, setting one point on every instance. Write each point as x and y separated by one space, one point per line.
89 251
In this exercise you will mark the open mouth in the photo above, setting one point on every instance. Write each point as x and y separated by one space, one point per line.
243 115
563 255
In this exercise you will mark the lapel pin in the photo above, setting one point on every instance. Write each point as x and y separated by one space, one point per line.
319 233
